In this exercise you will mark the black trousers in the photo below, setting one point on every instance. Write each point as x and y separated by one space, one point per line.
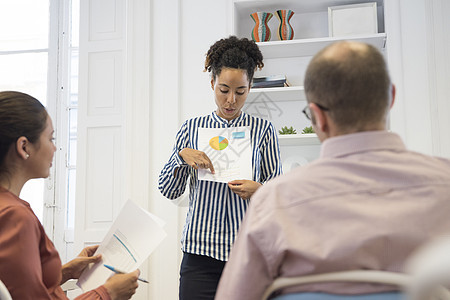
199 277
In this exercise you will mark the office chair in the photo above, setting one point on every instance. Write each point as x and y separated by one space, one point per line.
427 272
4 293
429 267
366 276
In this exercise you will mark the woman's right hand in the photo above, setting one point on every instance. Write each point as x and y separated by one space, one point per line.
196 159
122 286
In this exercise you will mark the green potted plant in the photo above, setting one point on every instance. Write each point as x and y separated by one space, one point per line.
286 130
308 129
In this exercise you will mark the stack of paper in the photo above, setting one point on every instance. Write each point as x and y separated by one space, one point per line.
131 239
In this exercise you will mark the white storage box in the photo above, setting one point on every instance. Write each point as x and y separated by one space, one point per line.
351 20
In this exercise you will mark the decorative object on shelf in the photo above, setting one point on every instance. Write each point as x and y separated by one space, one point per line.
286 130
354 19
261 31
270 81
308 130
285 31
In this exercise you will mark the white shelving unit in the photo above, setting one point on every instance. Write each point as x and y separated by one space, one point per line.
291 93
298 139
310 23
309 47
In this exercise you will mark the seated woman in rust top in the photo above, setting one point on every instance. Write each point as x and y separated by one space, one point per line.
30 266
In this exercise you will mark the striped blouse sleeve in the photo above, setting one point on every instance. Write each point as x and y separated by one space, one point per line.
173 186
270 155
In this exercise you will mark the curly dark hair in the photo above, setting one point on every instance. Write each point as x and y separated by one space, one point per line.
234 53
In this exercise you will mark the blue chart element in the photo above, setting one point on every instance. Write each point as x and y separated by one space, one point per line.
238 135
126 248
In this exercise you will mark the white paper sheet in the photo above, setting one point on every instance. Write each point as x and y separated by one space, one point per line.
131 239
230 151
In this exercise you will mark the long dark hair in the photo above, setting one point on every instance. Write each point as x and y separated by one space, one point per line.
20 115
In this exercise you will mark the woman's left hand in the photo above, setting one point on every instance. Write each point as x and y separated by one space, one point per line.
244 188
74 268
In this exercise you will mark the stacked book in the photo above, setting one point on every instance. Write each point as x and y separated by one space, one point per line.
270 81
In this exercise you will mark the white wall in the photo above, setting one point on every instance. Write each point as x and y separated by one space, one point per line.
164 119
418 47
203 22
181 33
438 41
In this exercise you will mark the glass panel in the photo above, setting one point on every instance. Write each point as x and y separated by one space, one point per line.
75 26
71 198
74 78
73 111
73 136
26 73
25 24
33 193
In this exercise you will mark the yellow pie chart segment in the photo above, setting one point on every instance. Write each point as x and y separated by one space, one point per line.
218 143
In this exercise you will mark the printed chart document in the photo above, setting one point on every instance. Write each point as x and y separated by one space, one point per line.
131 239
230 151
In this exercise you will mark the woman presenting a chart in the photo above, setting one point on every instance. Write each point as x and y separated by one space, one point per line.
227 155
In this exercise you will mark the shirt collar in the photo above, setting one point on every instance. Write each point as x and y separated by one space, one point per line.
230 123
361 142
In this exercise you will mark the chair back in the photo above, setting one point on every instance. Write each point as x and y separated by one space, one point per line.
4 293
429 267
403 281
324 296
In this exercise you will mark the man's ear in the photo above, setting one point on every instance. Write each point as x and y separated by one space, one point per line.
321 120
22 147
393 92
212 84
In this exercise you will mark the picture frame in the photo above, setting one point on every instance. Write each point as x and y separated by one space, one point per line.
353 19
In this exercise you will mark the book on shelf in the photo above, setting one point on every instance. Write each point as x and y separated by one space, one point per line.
270 81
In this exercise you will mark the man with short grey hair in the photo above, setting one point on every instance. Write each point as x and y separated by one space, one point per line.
366 204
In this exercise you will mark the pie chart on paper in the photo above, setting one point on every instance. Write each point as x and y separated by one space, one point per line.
218 143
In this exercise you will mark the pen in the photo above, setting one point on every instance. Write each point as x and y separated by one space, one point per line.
122 272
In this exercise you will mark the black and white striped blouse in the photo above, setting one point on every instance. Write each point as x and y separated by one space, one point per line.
215 212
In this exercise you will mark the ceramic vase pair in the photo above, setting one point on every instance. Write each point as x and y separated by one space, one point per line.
261 31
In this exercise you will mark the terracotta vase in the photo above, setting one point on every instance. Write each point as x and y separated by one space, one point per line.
285 31
261 31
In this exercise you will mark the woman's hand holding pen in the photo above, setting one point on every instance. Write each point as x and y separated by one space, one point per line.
196 159
244 188
122 286
119 286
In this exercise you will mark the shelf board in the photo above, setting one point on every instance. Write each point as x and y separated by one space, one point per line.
309 47
298 139
291 93
246 7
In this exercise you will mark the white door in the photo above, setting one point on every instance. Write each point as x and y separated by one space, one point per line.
101 118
